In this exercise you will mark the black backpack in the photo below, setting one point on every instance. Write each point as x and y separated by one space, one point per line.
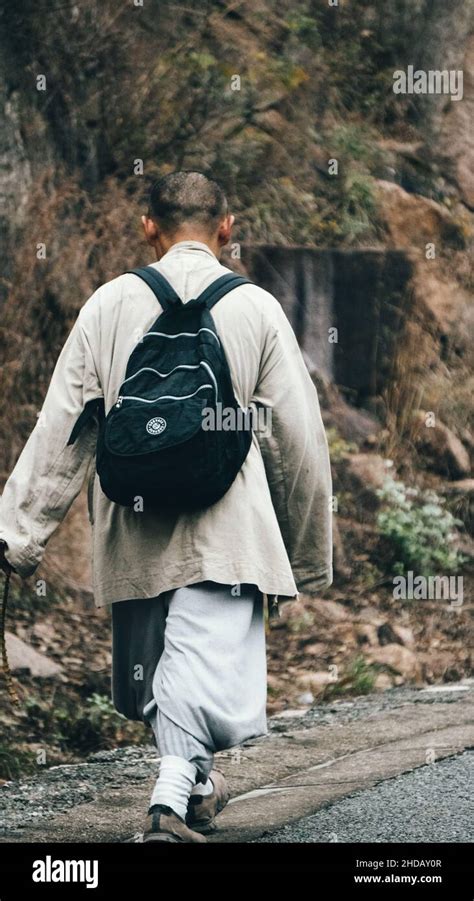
176 436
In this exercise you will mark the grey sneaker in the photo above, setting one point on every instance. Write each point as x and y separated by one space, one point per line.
203 809
164 825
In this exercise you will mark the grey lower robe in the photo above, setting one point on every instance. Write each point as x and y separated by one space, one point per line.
194 657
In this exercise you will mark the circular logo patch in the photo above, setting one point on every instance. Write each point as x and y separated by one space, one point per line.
156 426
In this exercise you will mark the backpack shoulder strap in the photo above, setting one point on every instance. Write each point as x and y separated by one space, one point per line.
220 287
96 405
165 294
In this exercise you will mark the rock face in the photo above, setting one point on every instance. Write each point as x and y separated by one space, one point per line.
457 140
362 294
303 281
436 39
442 451
413 221
15 173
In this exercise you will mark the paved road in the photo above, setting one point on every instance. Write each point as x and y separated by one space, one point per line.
431 804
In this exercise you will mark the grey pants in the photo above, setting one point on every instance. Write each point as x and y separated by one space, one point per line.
172 739
191 663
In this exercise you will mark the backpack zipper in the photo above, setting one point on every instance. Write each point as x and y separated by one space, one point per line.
152 400
180 334
161 374
169 396
209 370
181 366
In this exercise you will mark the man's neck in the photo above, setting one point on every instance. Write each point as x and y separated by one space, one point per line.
164 243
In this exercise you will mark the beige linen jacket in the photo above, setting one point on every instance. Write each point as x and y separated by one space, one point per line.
272 528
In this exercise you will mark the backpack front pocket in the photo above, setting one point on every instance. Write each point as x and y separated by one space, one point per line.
141 426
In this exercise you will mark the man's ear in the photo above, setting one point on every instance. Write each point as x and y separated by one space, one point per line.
225 230
150 229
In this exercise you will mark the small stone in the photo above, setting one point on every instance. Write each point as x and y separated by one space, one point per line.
306 698
383 682
315 681
442 450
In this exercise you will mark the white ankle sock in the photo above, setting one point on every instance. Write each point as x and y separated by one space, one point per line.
203 788
174 784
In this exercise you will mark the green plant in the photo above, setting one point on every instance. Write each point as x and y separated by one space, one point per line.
358 679
355 141
422 532
305 28
338 446
100 709
15 762
97 724
82 726
359 209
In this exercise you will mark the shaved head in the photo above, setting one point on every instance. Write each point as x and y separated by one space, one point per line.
187 197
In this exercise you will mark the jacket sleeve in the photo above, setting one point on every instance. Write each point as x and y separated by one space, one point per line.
49 472
295 453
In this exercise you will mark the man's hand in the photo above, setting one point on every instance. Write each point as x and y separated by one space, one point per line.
4 564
